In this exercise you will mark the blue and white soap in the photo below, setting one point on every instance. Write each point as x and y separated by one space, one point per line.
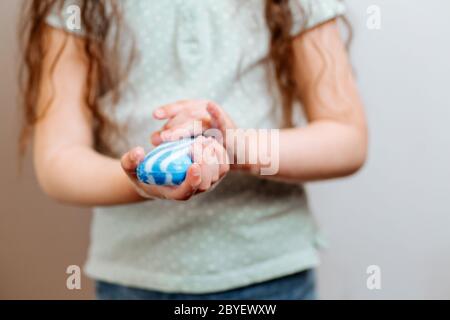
167 164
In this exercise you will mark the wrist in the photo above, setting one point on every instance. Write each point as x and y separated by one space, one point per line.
253 151
242 146
253 169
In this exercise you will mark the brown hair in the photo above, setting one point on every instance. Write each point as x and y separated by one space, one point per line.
102 20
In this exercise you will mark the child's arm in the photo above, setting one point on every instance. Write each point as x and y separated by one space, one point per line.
334 143
67 166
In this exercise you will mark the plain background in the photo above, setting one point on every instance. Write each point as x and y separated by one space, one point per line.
394 214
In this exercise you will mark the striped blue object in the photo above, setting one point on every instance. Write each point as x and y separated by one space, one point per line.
167 164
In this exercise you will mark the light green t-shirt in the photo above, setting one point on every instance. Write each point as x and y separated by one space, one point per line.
245 231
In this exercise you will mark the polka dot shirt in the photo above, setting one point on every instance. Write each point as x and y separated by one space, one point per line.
245 231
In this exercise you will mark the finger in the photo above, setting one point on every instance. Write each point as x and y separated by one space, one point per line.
206 177
211 160
222 159
185 130
177 120
171 110
223 170
199 149
168 110
131 160
215 174
190 185
199 156
198 115
193 176
218 119
156 138
220 153
215 163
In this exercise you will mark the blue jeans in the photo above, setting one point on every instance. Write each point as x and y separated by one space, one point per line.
299 286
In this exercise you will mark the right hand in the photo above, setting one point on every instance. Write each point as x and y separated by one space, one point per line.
210 166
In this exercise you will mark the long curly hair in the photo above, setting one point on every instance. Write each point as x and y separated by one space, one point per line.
107 68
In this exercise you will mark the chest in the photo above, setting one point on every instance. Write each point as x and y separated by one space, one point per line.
192 49
185 42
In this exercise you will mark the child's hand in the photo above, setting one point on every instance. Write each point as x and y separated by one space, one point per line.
210 165
181 117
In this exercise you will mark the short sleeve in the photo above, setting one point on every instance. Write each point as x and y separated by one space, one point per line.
66 15
309 13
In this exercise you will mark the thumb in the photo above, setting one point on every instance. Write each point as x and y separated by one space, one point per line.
131 160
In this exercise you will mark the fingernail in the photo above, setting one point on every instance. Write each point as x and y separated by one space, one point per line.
196 173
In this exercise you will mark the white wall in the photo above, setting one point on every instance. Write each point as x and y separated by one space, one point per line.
396 212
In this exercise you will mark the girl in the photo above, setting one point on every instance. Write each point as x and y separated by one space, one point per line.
140 68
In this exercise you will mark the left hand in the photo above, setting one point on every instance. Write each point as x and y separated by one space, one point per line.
181 118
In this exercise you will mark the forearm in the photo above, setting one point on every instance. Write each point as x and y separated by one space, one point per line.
322 150
79 175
